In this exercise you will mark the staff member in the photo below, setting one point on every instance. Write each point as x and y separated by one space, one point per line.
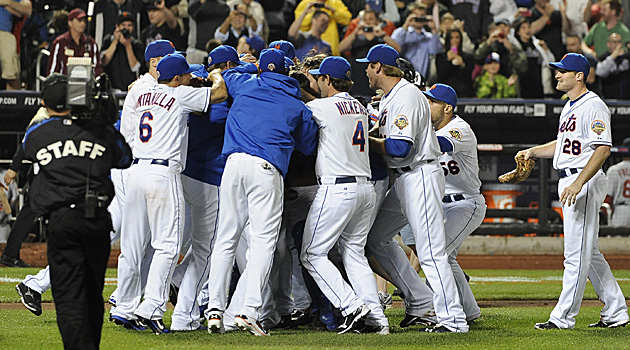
74 189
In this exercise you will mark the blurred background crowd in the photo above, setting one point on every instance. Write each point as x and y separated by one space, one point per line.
483 48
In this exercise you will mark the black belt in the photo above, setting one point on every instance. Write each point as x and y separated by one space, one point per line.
153 161
409 168
449 198
567 172
341 180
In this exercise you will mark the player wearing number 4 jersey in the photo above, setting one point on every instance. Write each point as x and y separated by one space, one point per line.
340 213
582 146
154 200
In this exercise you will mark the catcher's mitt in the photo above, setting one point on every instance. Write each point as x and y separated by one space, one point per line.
522 171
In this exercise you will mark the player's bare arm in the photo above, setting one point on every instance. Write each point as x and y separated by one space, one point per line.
542 151
219 90
569 195
377 145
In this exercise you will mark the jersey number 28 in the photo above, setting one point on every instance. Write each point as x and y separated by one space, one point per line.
145 129
358 139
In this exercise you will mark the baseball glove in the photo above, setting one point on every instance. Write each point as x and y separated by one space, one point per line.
522 171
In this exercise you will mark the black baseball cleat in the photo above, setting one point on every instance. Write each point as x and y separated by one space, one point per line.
285 323
156 326
13 262
546 325
438 328
30 298
411 320
602 324
127 324
301 317
352 319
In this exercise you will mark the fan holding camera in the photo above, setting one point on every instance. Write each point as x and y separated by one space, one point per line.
120 59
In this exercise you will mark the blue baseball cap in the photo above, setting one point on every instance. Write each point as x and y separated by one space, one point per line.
381 53
335 66
573 62
271 60
158 48
284 46
199 71
442 92
172 65
256 43
222 54
288 63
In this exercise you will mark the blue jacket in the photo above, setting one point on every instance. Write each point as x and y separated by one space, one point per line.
267 118
205 143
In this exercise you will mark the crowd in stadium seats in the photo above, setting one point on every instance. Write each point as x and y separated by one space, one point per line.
484 48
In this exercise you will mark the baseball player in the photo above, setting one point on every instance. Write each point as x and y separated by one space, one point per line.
464 205
618 195
266 121
154 198
582 146
410 148
342 207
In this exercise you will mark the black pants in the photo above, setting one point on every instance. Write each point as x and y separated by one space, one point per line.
78 251
22 226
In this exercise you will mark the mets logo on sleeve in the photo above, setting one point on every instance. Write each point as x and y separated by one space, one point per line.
401 122
455 133
598 127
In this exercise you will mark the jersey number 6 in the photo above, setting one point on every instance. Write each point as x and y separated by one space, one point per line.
145 129
358 139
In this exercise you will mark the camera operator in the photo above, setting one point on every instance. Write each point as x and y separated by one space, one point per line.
121 57
73 188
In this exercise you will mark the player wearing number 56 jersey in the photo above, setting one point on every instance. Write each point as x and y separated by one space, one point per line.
340 213
154 200
582 146
464 206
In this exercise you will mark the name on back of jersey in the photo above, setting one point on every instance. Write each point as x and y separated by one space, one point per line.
156 99
350 107
61 149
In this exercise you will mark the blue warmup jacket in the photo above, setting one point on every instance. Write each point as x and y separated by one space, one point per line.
267 118
205 144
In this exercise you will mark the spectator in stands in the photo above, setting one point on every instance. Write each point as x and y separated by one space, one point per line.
434 9
614 69
448 22
386 8
536 81
573 16
204 19
258 14
503 10
454 66
547 24
387 25
476 17
9 59
239 23
311 42
251 45
73 43
365 35
124 53
513 60
163 25
600 32
106 14
573 44
337 12
418 40
491 83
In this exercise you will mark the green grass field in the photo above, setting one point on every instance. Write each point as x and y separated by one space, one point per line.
498 327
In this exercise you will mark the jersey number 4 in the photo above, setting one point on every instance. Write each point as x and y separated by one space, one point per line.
145 128
358 139
572 147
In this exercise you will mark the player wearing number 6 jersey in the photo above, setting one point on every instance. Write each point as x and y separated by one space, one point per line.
340 213
154 200
464 206
582 146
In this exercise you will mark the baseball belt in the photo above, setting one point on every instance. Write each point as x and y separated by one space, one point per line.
562 173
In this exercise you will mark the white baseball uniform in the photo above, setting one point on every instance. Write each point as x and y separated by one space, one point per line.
419 187
342 207
619 190
584 125
154 200
464 206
